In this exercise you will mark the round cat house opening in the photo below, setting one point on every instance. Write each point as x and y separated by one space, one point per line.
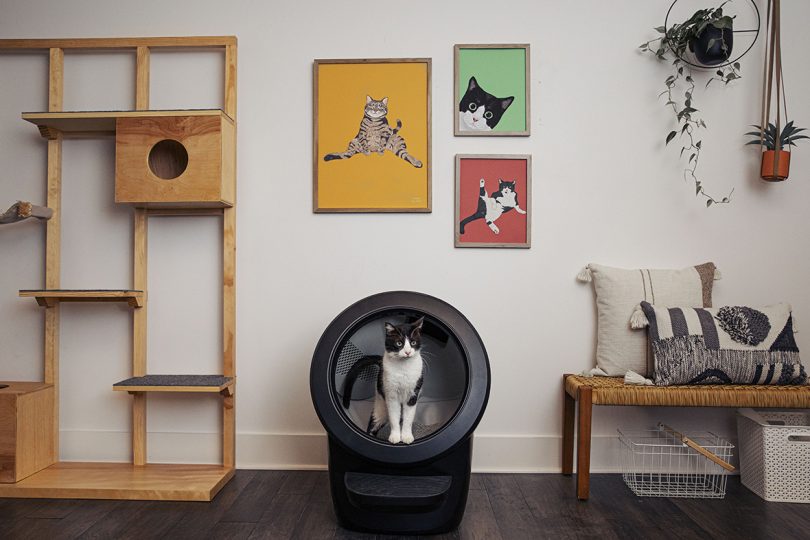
367 472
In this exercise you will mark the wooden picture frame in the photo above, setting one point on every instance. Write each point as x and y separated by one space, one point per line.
350 172
503 73
510 229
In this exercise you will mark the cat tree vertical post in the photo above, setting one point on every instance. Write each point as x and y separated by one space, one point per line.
176 163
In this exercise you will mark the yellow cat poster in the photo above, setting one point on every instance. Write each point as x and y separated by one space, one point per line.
372 135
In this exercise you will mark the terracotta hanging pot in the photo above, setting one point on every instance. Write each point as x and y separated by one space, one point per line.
783 167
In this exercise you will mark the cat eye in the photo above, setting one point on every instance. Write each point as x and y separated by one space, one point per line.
488 114
399 344
472 106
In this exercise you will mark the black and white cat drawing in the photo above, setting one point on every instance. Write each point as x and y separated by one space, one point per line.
479 110
399 381
375 135
490 208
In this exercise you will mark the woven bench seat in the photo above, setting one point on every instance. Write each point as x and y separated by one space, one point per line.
589 391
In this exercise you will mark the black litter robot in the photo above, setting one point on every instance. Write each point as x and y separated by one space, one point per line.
420 488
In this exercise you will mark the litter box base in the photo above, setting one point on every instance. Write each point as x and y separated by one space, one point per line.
426 498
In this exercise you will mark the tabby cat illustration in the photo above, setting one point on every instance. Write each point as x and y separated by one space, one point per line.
479 110
375 135
491 208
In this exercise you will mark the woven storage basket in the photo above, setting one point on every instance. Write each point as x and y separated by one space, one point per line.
775 454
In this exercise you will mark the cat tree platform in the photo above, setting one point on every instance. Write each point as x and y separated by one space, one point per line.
176 383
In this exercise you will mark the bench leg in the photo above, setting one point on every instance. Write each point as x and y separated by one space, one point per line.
584 443
569 420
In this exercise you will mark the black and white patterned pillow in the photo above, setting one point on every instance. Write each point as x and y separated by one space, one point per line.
727 345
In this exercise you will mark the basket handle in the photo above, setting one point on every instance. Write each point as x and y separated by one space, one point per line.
698 448
799 438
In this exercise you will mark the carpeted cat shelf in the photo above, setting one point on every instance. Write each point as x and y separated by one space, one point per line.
417 488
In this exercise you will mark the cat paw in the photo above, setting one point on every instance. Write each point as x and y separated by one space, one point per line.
395 438
407 438
417 164
482 182
495 229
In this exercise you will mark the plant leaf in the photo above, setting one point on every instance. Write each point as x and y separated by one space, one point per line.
709 202
670 136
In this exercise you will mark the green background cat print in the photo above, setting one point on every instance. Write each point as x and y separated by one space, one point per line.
483 106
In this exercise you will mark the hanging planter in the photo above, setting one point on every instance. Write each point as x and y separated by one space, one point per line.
713 44
776 156
773 139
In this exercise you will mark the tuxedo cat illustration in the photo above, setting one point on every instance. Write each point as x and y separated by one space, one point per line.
400 374
375 135
490 208
479 110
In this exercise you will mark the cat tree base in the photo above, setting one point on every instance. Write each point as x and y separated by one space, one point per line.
122 481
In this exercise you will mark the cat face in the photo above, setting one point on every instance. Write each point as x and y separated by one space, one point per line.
479 110
376 109
506 193
404 340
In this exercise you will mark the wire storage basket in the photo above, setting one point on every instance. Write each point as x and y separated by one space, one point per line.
657 463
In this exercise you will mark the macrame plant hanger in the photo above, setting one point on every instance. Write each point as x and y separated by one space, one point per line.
775 163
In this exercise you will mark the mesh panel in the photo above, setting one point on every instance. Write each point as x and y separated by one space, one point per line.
419 430
349 355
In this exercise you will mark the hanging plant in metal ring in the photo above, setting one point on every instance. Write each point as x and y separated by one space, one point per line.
703 41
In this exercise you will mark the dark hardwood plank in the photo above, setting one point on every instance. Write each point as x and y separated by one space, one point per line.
345 534
318 520
281 516
300 481
476 481
479 521
138 520
255 497
201 517
514 518
231 530
75 523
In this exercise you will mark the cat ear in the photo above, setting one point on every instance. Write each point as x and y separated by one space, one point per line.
369 99
385 101
417 324
505 102
389 328
473 84
500 181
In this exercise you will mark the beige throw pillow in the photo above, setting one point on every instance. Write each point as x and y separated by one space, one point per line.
618 294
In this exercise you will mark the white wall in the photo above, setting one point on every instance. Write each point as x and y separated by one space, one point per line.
605 190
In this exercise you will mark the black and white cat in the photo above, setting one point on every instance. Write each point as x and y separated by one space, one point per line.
490 208
479 110
376 135
399 381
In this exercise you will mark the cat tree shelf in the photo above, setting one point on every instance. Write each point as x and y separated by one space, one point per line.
177 383
51 297
93 123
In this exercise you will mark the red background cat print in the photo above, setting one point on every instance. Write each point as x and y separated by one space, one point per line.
514 228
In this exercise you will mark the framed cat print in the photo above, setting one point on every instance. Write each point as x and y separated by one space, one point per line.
491 90
493 200
371 129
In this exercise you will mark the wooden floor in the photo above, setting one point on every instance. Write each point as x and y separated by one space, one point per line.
295 504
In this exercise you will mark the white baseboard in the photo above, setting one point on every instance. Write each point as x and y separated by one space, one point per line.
491 453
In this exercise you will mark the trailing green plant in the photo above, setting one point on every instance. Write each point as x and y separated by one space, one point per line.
673 45
768 138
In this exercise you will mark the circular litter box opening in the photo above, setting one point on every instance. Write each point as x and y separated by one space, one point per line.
168 159
445 373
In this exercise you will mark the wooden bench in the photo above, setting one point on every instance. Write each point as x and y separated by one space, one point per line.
590 391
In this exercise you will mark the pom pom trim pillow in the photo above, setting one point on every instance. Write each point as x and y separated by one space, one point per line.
727 345
618 293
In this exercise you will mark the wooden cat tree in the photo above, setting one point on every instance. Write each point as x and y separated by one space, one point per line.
180 163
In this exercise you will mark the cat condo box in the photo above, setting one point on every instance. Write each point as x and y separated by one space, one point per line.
26 429
180 159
